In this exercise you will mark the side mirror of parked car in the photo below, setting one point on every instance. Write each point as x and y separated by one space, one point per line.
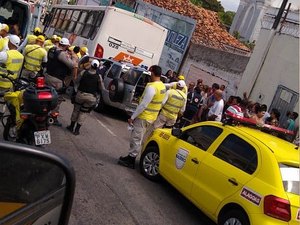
36 187
176 132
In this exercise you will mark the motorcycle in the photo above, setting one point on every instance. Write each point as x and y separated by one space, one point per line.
29 106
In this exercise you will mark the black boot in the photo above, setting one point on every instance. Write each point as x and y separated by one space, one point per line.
71 126
77 128
127 161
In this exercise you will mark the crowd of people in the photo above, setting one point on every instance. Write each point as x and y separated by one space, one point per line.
206 102
56 60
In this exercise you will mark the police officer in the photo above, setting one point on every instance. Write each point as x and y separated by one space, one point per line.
12 61
85 100
35 56
173 104
145 114
60 65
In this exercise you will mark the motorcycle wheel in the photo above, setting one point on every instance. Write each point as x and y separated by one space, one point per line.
10 131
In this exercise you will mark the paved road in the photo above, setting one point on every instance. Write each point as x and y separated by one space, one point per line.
107 193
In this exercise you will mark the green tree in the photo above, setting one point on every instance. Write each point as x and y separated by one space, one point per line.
226 17
213 5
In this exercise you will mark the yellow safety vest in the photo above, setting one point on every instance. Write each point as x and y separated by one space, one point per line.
151 112
34 55
48 47
3 43
13 63
31 38
174 103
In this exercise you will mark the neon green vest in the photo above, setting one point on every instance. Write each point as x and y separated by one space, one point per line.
34 55
153 108
14 63
174 103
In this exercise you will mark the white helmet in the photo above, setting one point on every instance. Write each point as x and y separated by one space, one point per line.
95 63
64 41
181 84
14 40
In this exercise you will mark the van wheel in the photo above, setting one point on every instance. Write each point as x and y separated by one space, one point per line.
116 90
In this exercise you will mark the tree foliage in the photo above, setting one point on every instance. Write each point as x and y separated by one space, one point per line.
213 5
226 17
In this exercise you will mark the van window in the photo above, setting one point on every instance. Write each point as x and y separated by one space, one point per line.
74 19
132 76
81 23
92 16
95 28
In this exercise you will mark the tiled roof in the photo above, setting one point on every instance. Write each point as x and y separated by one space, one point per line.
209 31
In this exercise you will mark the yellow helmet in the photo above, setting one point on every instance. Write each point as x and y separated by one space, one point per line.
5 27
40 38
84 49
181 77
37 29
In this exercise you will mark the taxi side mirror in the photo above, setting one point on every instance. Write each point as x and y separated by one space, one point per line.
176 132
36 187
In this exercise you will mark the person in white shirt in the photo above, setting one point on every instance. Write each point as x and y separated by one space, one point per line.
215 112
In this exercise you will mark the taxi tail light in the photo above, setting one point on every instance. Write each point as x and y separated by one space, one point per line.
99 51
277 207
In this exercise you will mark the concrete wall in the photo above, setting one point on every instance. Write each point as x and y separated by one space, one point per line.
214 65
281 67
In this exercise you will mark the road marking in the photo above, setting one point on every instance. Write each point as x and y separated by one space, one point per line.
109 131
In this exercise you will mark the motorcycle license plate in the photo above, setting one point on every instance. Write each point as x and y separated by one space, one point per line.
42 137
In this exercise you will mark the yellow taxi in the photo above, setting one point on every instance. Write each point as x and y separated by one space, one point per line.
236 175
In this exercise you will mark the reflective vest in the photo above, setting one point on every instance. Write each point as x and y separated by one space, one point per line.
174 103
3 44
48 47
48 44
150 113
34 55
13 63
31 38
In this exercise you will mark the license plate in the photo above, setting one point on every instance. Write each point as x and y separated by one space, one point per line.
42 137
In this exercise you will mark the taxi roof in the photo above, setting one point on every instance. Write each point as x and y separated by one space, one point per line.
284 151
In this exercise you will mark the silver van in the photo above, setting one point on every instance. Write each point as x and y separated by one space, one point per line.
124 84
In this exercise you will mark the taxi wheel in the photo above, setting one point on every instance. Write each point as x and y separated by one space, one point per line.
149 163
234 217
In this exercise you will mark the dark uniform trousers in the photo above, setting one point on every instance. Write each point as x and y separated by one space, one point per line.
83 104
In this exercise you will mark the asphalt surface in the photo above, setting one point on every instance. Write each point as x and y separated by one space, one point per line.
107 193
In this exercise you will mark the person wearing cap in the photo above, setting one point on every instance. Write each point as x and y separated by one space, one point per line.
31 38
12 60
89 85
145 115
4 29
173 106
173 85
83 51
59 66
35 57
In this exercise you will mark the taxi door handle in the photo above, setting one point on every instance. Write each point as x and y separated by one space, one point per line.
233 181
195 160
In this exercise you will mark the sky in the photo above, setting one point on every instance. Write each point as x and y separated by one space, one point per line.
232 5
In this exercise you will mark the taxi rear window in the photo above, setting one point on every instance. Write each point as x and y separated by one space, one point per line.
290 178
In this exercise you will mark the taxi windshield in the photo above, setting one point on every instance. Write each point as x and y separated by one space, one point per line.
290 178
